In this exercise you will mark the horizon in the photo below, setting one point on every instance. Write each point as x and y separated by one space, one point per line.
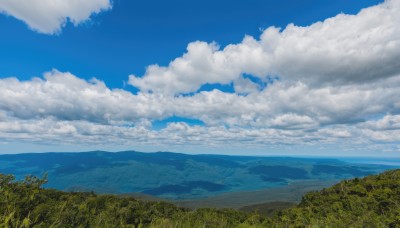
216 154
319 78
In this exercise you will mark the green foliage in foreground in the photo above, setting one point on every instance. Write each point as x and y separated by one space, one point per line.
27 204
373 201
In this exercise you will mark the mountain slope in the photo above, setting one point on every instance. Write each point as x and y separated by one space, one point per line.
373 201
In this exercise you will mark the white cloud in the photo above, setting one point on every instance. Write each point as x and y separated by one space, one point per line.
49 16
180 135
64 96
388 122
245 86
340 50
293 121
62 108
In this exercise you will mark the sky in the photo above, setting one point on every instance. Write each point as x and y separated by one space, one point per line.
312 77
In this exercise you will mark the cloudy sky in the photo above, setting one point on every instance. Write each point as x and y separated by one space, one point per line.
314 77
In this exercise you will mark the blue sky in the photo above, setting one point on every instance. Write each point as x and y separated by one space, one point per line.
313 50
135 34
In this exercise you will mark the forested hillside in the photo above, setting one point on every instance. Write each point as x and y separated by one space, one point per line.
373 201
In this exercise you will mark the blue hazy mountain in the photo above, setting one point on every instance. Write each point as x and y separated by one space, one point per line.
179 176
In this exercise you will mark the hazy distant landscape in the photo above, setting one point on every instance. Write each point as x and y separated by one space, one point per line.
189 180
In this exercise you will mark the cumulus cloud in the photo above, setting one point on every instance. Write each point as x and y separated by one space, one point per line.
64 96
49 16
340 50
62 108
388 122
181 135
